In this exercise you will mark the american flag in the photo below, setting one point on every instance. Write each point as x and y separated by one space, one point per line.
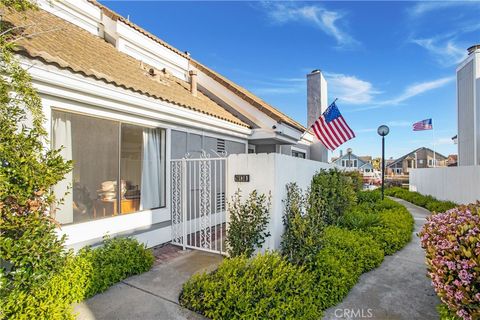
331 129
423 125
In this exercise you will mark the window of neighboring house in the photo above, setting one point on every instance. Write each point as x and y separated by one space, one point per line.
430 162
298 154
420 161
251 149
354 163
118 168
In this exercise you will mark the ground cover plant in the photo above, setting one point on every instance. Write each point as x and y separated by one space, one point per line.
427 202
328 258
452 244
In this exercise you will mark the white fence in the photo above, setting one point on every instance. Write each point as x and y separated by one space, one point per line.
271 173
457 184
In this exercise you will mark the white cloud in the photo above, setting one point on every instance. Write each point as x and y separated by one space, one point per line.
325 20
417 89
350 89
425 7
447 52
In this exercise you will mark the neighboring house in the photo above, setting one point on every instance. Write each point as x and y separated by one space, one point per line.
123 103
468 108
360 163
418 158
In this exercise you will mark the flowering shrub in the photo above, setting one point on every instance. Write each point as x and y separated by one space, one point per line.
452 244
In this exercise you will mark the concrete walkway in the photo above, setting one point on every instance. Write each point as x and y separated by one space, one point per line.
151 295
398 289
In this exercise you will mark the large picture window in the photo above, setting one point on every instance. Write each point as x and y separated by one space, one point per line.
118 168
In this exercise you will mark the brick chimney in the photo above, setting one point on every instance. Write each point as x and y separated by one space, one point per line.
316 105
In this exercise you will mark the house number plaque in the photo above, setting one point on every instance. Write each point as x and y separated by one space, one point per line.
242 178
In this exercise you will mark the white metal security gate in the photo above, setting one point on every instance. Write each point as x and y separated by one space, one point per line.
198 191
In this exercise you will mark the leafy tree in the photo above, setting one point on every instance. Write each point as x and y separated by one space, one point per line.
30 251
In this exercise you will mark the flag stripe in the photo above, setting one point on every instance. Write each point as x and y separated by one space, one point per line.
331 128
328 142
320 136
338 126
347 129
336 132
328 132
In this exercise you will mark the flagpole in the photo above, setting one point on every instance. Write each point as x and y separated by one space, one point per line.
434 152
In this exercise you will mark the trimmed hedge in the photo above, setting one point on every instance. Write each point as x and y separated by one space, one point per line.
269 286
83 275
117 259
53 298
264 287
386 221
427 202
359 247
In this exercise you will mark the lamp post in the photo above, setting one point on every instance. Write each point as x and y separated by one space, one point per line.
383 130
349 152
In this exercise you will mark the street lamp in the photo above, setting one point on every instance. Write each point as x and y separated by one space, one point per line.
383 130
349 152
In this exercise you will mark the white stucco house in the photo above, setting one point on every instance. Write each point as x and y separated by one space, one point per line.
124 104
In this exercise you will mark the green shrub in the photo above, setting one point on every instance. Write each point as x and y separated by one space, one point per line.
31 254
116 260
315 274
371 196
53 298
358 219
335 275
395 229
302 238
427 202
331 194
247 224
263 287
362 249
356 179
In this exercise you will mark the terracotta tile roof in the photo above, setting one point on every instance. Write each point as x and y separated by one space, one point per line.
67 46
238 90
115 16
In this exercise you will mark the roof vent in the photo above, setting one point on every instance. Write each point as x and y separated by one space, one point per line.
473 48
193 82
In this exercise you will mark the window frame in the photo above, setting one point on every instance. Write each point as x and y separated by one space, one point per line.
119 158
296 152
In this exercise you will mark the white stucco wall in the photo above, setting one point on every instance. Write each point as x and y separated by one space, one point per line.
457 184
271 173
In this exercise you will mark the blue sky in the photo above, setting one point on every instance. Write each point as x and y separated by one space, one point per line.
388 62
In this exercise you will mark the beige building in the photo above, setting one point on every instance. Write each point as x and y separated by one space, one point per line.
420 158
